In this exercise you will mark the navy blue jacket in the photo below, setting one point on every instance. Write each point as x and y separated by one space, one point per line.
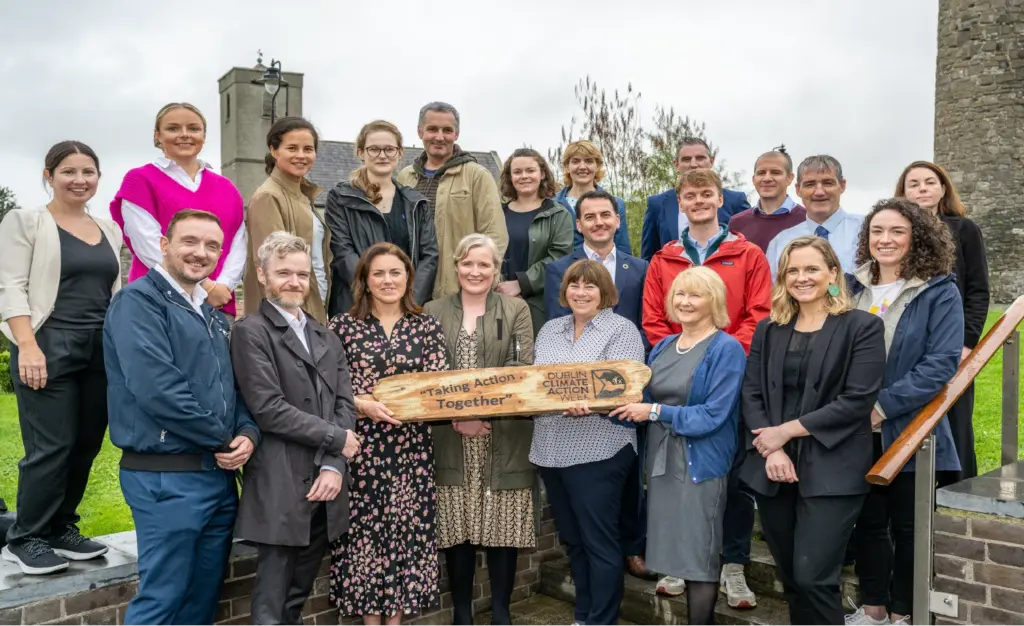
710 420
923 356
630 274
621 235
661 222
170 386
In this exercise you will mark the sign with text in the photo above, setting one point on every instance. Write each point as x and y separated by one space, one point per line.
498 391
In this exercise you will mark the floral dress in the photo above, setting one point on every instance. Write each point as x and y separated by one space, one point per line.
387 562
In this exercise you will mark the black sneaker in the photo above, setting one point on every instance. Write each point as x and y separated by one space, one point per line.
34 556
72 545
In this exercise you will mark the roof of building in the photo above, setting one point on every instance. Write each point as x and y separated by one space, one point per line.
335 160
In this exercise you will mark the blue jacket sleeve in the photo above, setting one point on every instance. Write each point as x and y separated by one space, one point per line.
725 379
552 289
139 332
622 235
945 339
244 423
649 241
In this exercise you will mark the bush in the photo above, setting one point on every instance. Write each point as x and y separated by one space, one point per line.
6 384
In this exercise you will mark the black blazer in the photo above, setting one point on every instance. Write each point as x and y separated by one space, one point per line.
971 272
844 375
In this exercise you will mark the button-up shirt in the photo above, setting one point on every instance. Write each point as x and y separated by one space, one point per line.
608 262
787 205
843 234
198 296
560 441
702 250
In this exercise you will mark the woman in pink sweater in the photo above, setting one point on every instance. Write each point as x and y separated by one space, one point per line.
178 179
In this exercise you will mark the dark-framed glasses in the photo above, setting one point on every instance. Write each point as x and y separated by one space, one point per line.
390 151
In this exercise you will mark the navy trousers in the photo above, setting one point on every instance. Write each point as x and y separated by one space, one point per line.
633 517
183 523
586 501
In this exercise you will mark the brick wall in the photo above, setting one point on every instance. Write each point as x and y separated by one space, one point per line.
106 605
980 558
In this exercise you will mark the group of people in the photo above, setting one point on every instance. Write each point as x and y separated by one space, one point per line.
789 345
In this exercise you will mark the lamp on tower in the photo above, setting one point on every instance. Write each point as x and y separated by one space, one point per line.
273 80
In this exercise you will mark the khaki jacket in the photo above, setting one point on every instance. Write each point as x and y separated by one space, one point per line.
467 203
505 323
30 271
282 204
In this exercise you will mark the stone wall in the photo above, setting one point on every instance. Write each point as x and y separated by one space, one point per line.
106 604
979 125
980 558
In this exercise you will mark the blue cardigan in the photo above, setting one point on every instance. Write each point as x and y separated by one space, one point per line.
710 420
924 355
621 235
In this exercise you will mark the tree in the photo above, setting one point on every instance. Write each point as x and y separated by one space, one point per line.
7 202
669 131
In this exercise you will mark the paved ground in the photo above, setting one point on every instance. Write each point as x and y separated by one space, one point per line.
538 609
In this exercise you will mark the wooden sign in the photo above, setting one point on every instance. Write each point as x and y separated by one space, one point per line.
497 391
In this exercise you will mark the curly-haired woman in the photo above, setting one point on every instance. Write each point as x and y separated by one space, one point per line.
539 229
905 259
930 186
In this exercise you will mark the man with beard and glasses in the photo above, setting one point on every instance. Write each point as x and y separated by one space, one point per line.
294 377
462 193
181 425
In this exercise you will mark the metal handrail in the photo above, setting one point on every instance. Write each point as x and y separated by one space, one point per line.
915 434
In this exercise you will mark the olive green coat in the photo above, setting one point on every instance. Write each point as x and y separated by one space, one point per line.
505 321
551 234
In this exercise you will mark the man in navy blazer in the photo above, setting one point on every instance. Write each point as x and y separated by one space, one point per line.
662 221
598 220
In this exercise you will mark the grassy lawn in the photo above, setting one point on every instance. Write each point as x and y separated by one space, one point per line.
103 511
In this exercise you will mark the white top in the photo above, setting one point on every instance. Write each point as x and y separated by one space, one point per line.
319 269
883 295
144 231
297 324
608 262
198 296
843 234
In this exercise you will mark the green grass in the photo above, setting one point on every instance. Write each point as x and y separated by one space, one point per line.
103 511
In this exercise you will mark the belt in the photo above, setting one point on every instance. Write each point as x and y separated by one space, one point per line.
182 462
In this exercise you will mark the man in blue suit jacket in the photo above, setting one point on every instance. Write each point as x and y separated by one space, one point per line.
598 220
662 220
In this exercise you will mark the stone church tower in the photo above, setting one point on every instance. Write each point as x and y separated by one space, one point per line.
979 126
245 121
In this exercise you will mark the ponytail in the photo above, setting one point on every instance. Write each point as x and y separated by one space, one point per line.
269 163
360 179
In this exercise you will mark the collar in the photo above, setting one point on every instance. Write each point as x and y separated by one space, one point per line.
787 205
301 188
569 321
832 223
591 253
198 296
164 163
295 322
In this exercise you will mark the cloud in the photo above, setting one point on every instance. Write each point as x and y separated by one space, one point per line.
855 80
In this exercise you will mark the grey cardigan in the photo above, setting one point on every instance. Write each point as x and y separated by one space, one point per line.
30 272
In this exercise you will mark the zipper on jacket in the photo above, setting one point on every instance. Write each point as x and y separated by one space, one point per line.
209 331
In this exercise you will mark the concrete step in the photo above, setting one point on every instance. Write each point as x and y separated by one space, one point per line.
641 605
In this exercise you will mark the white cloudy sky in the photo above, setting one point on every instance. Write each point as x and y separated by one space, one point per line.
853 79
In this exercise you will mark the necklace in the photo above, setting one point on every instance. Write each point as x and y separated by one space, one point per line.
682 351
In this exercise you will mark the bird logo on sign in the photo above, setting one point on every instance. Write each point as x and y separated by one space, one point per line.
608 383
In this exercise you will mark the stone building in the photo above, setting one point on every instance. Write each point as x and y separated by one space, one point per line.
979 125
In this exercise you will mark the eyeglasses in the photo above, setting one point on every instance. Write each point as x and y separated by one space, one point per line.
390 151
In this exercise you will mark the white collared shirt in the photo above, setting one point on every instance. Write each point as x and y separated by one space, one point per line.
144 230
297 324
198 296
608 262
843 235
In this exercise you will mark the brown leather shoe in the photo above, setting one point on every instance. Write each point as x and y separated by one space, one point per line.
637 567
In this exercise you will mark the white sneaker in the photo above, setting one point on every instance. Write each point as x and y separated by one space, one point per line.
734 585
860 617
906 620
671 586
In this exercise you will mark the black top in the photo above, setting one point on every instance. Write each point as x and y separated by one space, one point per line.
971 271
794 377
87 274
517 255
397 226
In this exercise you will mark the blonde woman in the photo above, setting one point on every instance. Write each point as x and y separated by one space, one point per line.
582 170
814 372
693 404
371 207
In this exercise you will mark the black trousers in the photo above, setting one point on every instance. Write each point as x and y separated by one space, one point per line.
586 500
633 515
501 566
885 543
961 422
738 523
285 575
810 568
62 429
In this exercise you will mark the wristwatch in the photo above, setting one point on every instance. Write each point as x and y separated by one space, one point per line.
652 415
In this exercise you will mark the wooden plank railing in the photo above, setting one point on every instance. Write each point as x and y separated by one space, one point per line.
907 444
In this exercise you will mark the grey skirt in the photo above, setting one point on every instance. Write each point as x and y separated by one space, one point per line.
684 519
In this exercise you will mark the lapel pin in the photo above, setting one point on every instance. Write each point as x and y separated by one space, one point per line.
625 266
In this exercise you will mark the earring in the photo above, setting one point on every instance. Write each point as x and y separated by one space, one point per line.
833 290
